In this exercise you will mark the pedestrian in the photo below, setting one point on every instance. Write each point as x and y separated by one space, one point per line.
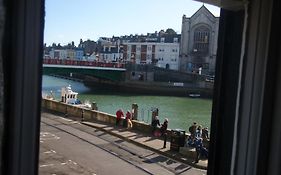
205 133
163 131
192 129
198 133
125 121
129 119
119 115
201 151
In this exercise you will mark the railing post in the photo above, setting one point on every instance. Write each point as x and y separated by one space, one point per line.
135 111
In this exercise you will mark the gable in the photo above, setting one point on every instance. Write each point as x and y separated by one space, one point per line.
203 11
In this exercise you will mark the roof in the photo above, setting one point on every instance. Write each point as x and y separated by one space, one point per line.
203 8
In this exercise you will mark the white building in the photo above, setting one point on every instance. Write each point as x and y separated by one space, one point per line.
165 55
111 54
58 54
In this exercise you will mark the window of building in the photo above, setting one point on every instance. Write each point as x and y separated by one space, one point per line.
201 40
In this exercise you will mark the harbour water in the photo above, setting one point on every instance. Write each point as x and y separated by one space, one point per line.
181 111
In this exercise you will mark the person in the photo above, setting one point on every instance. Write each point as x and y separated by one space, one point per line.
163 131
200 149
155 122
119 115
190 142
205 133
192 130
125 121
129 120
198 133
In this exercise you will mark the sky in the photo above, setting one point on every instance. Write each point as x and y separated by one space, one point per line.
70 20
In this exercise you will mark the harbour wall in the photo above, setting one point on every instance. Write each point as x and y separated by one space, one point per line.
90 115
94 116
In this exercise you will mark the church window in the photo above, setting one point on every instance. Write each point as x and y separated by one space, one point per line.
201 40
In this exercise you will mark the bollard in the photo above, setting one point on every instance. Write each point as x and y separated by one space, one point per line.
135 111
82 115
155 112
94 106
66 114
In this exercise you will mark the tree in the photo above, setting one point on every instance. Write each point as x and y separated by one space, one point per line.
170 31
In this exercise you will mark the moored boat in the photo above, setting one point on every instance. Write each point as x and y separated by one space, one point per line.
70 97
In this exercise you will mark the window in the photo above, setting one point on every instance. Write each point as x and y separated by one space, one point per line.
224 98
201 40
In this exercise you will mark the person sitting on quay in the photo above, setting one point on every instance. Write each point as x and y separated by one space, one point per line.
163 131
119 115
155 123
129 119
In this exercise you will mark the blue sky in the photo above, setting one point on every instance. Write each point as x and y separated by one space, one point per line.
70 20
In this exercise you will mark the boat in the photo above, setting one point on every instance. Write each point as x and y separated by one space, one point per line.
49 96
70 97
194 95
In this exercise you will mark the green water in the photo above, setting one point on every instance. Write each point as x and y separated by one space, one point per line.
181 111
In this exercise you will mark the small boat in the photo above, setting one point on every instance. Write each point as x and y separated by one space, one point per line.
49 96
70 97
194 95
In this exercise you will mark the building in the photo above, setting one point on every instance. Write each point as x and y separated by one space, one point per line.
165 55
58 54
111 54
159 49
79 53
88 46
199 42
70 54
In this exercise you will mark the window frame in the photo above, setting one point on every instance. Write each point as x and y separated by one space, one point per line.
23 45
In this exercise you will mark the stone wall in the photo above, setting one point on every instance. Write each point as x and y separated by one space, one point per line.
90 115
93 115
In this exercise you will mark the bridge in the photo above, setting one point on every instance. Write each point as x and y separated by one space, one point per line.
110 71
